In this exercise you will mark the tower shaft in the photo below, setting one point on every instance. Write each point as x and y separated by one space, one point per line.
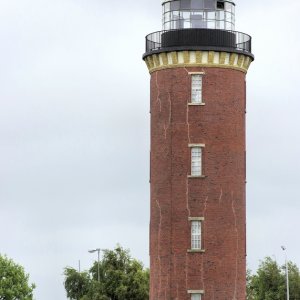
216 198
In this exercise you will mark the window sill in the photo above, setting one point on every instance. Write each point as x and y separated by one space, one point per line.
197 176
196 104
196 251
196 219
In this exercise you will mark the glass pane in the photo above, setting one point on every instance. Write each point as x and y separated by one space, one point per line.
196 297
211 25
210 4
187 24
197 13
220 25
196 163
197 21
197 4
186 15
197 93
175 14
221 15
228 17
211 15
179 24
167 17
176 24
228 26
168 26
167 6
175 5
185 4
196 235
228 6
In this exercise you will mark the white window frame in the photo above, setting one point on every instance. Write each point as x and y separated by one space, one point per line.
198 293
196 160
196 88
197 238
196 235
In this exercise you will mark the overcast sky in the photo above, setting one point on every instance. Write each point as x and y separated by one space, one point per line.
74 131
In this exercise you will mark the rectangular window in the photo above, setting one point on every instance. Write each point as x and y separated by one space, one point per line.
196 235
196 161
195 296
196 88
220 5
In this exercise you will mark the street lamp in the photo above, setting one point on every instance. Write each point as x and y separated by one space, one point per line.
287 274
93 251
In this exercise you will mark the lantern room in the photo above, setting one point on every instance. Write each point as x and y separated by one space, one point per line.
210 14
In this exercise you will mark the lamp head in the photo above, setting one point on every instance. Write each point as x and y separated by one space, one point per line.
94 250
283 248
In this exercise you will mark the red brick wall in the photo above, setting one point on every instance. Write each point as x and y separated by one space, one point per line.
220 197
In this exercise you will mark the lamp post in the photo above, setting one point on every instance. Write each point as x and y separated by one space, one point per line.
287 274
93 251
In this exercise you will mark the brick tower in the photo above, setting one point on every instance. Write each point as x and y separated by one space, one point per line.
198 65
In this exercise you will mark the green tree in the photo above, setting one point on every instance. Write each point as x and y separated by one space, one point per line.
250 288
294 281
269 282
77 284
95 292
121 278
14 282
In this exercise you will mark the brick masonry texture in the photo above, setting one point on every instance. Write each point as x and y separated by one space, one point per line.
219 197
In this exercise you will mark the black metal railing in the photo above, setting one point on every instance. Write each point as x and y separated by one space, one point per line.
198 38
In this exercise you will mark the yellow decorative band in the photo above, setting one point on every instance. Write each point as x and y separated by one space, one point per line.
212 59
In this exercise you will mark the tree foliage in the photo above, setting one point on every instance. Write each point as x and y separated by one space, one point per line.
121 278
76 284
269 283
294 281
14 282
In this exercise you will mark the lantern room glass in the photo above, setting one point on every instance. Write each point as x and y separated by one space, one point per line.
211 14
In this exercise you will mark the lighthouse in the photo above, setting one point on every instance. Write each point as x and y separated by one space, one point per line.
198 65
